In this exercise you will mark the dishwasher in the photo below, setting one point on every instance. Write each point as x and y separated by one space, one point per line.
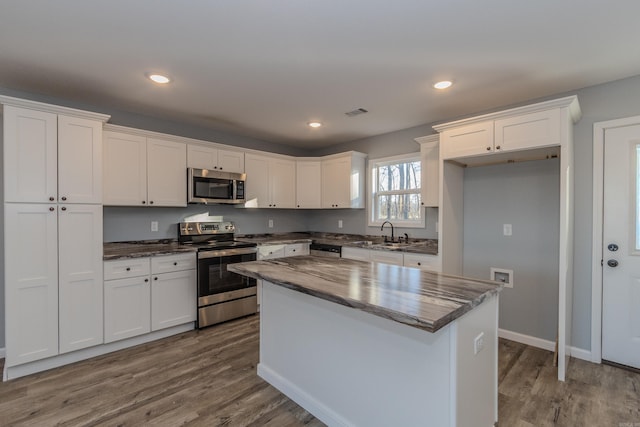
325 250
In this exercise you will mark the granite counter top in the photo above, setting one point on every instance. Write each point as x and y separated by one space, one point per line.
417 298
421 246
145 248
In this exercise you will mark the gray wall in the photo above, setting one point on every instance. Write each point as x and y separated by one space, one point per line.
525 195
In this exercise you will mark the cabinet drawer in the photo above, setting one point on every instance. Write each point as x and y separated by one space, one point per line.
296 249
423 262
270 251
122 269
169 263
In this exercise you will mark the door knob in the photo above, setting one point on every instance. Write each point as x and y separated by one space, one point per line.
612 263
612 247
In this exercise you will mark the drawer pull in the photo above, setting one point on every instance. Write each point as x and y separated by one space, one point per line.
419 263
128 268
175 263
155 278
146 280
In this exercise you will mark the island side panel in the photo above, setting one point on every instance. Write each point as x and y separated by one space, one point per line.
476 373
352 368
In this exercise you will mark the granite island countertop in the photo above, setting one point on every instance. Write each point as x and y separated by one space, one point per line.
411 296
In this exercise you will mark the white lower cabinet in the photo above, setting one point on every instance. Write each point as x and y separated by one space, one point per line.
147 294
421 261
279 251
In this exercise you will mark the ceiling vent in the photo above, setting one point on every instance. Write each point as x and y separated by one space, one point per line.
356 112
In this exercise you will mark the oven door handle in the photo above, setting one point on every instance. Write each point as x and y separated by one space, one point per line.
226 252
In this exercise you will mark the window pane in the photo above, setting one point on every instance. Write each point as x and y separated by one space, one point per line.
401 176
398 207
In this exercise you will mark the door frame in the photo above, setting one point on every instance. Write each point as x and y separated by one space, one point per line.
599 129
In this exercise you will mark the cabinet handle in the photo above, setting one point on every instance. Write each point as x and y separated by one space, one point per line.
52 209
51 199
155 278
128 268
419 263
64 208
144 202
175 263
497 147
298 205
220 167
146 280
150 202
488 148
64 199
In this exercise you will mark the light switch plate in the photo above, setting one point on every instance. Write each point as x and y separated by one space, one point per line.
339 223
270 223
507 229
154 225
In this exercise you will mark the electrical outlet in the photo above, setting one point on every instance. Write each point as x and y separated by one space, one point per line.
154 225
507 229
270 223
478 343
339 223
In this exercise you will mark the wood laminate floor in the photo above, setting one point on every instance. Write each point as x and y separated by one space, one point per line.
207 378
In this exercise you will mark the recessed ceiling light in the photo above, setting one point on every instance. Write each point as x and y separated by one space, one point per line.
159 78
314 124
443 84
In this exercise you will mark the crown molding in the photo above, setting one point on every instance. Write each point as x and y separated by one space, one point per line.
55 109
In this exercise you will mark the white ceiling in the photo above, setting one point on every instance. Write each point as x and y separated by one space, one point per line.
265 68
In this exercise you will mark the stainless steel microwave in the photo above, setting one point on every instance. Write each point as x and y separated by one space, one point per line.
211 186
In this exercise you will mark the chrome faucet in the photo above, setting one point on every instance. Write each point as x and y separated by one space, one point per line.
385 237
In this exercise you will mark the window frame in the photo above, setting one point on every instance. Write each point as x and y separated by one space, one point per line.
372 184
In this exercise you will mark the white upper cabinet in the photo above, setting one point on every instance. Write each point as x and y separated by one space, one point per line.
343 181
430 175
308 184
540 129
79 160
203 157
50 157
125 169
270 182
166 173
471 140
141 171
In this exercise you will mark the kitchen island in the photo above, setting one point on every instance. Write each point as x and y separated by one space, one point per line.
367 344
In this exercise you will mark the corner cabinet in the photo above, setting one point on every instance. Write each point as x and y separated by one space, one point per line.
143 169
343 181
53 229
271 181
531 132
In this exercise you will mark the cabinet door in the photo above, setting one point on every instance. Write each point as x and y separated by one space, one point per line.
356 254
465 141
30 156
31 282
336 183
166 173
270 251
79 160
282 182
308 184
127 308
125 169
80 276
231 161
430 175
201 157
386 257
296 249
257 183
422 261
541 129
173 299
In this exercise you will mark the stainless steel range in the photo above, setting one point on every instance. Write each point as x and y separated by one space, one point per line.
222 295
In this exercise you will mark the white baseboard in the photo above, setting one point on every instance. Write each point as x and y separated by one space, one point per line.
3 352
578 353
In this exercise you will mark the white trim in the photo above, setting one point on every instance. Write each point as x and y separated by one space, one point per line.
527 339
578 353
569 101
3 353
87 353
599 129
49 108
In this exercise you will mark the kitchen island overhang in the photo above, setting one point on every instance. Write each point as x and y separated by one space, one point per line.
359 343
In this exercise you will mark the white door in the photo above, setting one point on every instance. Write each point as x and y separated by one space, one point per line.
125 169
282 182
201 157
621 247
231 161
80 271
308 184
173 299
79 160
257 183
166 173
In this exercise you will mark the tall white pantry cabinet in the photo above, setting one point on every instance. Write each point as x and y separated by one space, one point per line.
52 173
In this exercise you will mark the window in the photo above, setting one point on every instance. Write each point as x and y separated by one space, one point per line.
395 191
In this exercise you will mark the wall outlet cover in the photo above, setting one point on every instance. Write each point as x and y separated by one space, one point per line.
339 223
502 275
270 223
154 225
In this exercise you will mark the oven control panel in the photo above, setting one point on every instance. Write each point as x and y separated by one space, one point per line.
197 228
